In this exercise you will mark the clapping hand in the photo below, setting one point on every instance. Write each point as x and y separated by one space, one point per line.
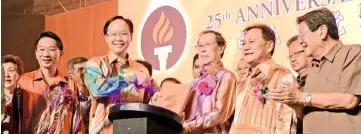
285 93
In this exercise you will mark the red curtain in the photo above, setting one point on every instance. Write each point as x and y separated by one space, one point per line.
81 30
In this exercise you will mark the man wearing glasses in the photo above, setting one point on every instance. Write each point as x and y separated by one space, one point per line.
298 60
333 87
299 63
114 78
46 101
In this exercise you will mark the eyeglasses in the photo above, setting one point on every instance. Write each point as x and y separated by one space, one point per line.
243 69
118 34
296 54
50 50
300 35
207 45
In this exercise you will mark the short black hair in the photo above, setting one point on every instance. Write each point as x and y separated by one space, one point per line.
15 60
52 35
146 65
73 61
174 80
267 33
128 21
194 59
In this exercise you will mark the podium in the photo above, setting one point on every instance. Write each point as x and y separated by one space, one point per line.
138 118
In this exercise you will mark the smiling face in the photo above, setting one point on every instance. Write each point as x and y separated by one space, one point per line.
310 39
47 53
255 48
208 50
118 37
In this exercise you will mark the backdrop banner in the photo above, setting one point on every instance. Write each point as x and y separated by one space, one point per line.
166 31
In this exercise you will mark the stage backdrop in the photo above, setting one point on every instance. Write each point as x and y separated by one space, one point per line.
166 31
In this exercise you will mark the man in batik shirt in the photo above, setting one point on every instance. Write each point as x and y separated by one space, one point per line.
46 101
114 78
213 101
254 113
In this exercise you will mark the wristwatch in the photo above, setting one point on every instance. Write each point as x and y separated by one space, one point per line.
308 99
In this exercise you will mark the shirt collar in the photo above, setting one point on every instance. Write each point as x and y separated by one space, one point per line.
330 56
214 69
301 80
316 63
112 57
264 67
38 75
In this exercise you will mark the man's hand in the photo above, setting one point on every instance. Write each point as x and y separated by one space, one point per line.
286 93
156 96
143 78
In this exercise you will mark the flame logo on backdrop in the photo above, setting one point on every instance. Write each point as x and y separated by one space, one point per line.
163 38
162 31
